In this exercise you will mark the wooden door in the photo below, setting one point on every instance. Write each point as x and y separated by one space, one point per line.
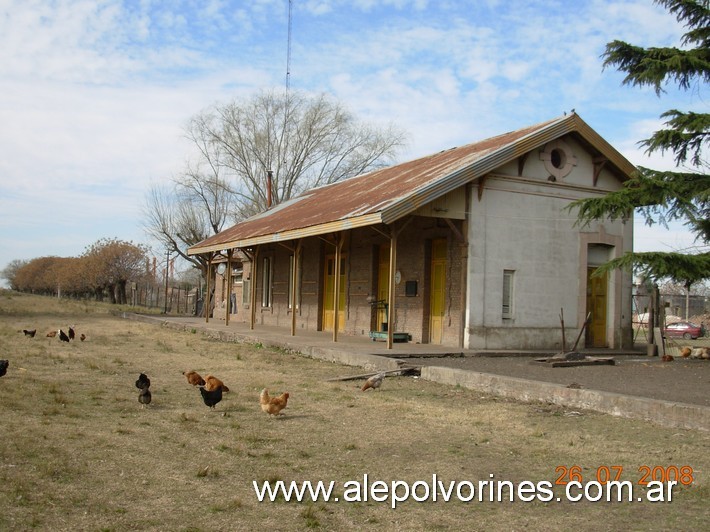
437 298
329 294
597 305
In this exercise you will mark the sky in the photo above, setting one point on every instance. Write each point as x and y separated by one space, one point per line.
96 94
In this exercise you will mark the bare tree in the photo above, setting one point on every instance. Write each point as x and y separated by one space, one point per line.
304 141
10 272
196 205
194 208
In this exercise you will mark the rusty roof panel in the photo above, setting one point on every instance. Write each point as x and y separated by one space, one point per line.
387 194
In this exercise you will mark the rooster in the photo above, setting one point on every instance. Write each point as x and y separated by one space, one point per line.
144 397
194 378
211 397
143 382
373 382
212 383
3 367
31 333
273 405
63 336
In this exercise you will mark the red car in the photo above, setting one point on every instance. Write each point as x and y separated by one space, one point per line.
682 329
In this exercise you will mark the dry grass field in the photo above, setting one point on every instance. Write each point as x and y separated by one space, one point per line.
77 451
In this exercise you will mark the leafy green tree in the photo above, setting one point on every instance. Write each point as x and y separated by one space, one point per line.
665 196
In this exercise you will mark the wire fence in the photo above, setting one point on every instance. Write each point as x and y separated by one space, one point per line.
173 299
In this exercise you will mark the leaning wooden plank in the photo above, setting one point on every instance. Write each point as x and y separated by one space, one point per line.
414 370
586 362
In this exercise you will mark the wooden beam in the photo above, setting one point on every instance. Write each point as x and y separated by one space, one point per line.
455 231
336 296
229 286
294 280
521 163
252 295
599 163
481 184
206 303
390 295
410 370
384 234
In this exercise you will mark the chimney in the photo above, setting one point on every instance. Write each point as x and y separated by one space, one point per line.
269 179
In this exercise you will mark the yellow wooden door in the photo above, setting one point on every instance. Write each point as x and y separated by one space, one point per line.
329 293
383 287
596 304
437 297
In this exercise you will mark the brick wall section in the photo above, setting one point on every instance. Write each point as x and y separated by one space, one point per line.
361 258
413 256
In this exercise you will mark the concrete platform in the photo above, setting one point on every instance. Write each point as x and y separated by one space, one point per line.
374 356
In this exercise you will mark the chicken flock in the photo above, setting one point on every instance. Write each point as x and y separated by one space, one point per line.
63 336
211 388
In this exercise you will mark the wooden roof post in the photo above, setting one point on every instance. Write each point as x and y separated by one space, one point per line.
390 295
336 296
206 302
294 280
229 286
252 295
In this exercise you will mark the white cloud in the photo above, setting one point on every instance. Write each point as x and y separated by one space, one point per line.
95 94
675 238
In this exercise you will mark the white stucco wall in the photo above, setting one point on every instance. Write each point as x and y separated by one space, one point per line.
520 224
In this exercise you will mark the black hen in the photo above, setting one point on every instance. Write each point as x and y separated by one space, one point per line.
211 398
144 397
31 333
72 334
63 336
3 367
143 382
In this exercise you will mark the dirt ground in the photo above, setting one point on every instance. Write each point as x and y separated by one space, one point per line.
78 452
634 373
682 380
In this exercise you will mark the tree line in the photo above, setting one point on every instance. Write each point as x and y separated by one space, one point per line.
102 271
249 155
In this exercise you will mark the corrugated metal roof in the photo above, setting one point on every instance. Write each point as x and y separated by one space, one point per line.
388 194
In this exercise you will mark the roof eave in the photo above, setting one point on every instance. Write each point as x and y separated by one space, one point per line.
294 234
409 203
566 125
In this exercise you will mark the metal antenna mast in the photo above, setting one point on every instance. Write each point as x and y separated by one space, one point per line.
288 48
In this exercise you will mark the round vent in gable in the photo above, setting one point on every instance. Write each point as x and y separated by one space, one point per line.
558 158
